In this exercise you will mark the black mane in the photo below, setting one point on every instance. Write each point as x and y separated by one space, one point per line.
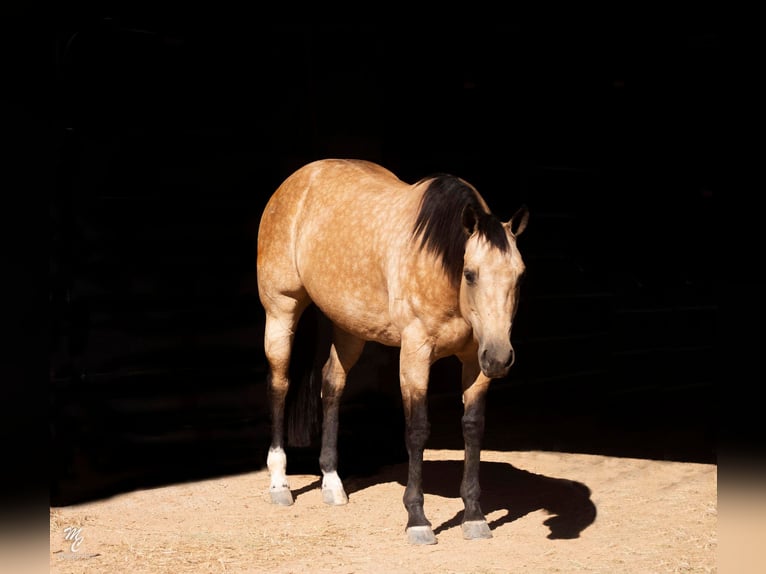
440 222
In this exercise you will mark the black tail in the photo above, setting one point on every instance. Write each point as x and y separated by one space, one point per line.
303 411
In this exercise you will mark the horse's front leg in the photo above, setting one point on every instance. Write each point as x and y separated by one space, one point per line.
414 368
475 386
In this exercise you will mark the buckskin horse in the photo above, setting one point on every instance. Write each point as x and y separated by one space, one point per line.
425 267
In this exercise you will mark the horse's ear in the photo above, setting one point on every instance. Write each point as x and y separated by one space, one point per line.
470 221
518 221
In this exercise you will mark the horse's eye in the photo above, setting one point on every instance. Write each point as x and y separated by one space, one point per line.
470 276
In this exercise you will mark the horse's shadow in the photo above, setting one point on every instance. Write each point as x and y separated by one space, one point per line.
504 487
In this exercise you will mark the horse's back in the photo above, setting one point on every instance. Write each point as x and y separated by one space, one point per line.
327 181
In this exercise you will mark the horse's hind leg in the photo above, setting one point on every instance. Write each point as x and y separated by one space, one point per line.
344 353
282 314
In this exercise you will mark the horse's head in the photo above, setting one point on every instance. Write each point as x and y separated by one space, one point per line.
489 288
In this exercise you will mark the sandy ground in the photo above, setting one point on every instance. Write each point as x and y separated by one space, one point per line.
549 512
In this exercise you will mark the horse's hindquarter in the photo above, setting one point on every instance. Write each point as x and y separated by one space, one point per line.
275 263
301 214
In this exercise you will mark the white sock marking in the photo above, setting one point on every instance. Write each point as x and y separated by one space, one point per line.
277 465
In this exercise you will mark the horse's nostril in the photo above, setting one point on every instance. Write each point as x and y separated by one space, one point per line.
510 360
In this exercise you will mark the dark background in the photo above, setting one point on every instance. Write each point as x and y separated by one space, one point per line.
170 133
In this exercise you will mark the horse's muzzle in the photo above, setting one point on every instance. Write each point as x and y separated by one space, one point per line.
496 365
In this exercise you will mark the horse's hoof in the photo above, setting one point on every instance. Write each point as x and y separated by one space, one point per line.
281 497
474 529
334 497
420 535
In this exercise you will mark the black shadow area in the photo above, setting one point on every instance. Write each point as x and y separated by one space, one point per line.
504 488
